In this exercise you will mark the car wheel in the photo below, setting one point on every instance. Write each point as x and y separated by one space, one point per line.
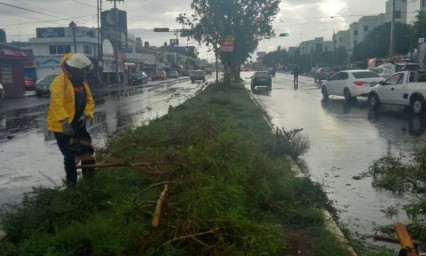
417 105
324 93
373 101
347 94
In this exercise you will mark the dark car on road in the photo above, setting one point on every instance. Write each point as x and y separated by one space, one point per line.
173 74
139 78
197 75
42 87
159 75
261 79
323 73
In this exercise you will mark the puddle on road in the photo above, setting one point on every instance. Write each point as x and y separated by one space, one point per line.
29 156
345 140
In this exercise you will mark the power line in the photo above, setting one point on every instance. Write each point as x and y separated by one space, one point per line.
18 24
25 9
85 3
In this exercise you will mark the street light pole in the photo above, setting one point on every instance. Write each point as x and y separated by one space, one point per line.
73 25
392 33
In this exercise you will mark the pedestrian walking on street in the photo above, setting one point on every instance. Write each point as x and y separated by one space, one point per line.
296 71
71 105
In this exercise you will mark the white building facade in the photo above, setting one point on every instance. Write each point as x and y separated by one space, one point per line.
51 44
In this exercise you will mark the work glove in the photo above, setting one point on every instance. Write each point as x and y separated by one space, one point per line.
68 130
82 120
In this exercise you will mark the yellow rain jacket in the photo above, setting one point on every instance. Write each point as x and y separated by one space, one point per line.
62 105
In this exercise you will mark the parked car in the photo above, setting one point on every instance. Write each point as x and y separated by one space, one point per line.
159 75
139 78
350 84
272 71
29 83
261 79
173 74
406 88
197 75
388 69
323 74
313 71
42 87
1 92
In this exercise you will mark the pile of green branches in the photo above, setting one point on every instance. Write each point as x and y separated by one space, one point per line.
396 174
198 181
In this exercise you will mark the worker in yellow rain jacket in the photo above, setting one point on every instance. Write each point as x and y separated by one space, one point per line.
71 105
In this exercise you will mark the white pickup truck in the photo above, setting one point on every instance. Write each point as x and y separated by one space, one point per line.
407 88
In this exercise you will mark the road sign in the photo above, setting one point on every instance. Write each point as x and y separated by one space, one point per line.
161 30
226 45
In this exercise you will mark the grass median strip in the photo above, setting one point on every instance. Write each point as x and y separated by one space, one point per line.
224 187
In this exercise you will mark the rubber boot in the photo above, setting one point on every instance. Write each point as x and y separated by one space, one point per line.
88 173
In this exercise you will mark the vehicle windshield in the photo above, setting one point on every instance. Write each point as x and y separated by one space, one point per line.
326 70
48 79
262 74
198 72
365 74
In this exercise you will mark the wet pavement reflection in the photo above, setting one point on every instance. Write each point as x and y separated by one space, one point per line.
345 140
29 156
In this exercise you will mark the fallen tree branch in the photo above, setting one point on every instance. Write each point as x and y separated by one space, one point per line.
192 236
148 165
156 219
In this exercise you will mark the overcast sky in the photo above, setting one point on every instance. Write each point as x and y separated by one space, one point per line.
302 19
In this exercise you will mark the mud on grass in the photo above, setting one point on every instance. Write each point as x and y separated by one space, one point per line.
230 192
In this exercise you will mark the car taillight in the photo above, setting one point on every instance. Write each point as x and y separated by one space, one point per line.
359 83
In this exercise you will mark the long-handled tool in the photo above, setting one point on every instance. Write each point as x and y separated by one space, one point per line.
408 246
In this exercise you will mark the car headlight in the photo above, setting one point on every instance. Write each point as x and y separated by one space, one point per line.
1 87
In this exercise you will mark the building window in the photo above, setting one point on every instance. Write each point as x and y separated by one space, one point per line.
6 74
423 3
397 14
88 49
59 49
355 42
355 32
365 28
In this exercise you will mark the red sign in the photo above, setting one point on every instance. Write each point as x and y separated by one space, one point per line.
227 45
14 53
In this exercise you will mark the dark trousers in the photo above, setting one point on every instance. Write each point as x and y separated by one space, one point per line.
72 146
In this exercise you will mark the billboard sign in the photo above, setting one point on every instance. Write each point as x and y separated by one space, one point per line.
226 45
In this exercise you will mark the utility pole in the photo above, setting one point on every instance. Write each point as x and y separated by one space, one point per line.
100 63
392 33
72 25
117 39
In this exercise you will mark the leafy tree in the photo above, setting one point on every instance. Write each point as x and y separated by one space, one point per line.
275 58
376 44
246 21
340 56
419 26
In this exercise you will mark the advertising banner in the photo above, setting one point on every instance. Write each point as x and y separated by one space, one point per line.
226 45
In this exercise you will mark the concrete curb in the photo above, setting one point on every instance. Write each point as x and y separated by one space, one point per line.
330 223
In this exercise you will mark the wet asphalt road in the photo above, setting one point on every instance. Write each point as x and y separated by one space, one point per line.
345 140
29 156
